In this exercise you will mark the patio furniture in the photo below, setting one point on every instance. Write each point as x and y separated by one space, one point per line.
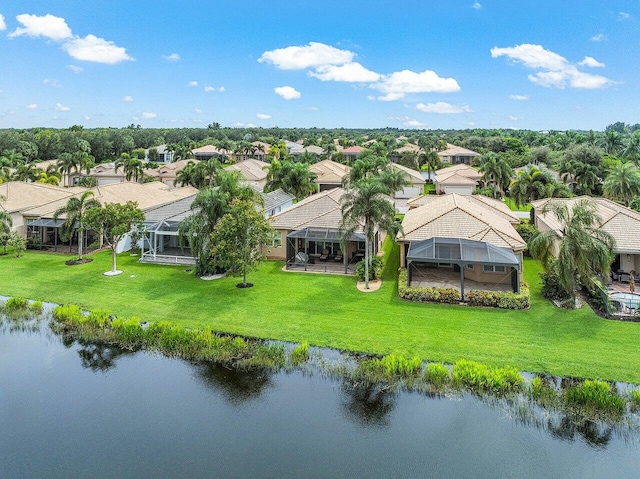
302 258
338 257
325 255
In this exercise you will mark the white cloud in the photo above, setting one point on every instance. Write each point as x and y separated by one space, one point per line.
128 99
263 116
75 69
174 57
600 37
148 115
312 55
312 108
245 125
94 49
33 106
414 124
287 92
349 72
52 82
398 84
591 62
192 83
222 89
477 5
48 26
519 97
198 111
61 107
86 117
442 108
555 70
209 89
3 25
624 16
514 118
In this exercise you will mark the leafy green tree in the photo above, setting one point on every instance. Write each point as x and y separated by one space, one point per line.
612 142
18 243
294 178
238 238
582 246
370 165
496 171
365 205
623 183
114 221
5 225
533 183
631 149
430 161
75 212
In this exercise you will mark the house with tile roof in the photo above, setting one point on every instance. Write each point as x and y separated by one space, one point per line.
308 236
461 179
621 222
462 238
329 174
253 171
352 153
455 155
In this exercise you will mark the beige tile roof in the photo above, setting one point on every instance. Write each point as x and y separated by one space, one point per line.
461 170
322 210
208 149
147 195
453 150
410 147
329 171
498 206
21 196
456 216
251 169
353 150
414 176
455 179
621 222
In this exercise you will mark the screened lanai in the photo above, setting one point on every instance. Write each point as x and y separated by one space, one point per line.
44 233
485 265
324 249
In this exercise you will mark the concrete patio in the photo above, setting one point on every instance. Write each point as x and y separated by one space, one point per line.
448 278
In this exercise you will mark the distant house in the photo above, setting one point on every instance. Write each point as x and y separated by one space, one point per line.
168 173
313 149
253 171
455 155
461 179
163 155
450 239
416 186
207 152
276 201
261 150
352 153
395 155
308 236
329 174
104 173
621 222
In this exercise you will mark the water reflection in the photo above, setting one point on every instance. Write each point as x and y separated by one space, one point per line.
99 357
367 404
238 386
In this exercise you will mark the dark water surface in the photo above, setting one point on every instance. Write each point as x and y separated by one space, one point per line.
73 411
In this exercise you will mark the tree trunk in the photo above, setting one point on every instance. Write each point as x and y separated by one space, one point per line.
80 243
366 265
113 258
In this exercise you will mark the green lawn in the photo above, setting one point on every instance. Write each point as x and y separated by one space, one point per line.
327 310
512 205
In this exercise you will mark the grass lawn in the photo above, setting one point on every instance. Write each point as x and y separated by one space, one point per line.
327 310
512 205
428 187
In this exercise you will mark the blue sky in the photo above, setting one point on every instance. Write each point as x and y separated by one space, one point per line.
413 64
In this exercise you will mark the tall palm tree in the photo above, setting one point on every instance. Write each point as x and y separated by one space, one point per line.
5 219
496 171
612 142
431 160
623 183
133 168
297 179
365 205
631 149
535 182
26 172
581 245
75 211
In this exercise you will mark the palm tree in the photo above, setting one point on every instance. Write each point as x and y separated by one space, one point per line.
189 175
294 178
535 182
75 211
431 160
586 178
495 171
365 205
582 246
632 148
133 168
612 142
209 170
26 172
5 219
369 165
623 183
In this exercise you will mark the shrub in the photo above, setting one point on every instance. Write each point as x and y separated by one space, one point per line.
16 303
36 306
635 400
528 231
374 272
500 299
439 295
390 368
437 374
300 353
551 288
99 317
540 391
594 397
70 313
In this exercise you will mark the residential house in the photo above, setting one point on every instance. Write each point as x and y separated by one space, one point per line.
163 155
313 149
352 153
308 236
621 222
104 173
168 173
207 152
253 171
452 239
455 155
395 155
461 179
276 201
329 174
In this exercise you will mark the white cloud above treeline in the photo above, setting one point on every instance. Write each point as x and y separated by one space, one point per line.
263 116
328 63
287 92
442 108
89 48
553 70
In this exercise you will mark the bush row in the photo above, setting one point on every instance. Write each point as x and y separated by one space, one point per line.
436 295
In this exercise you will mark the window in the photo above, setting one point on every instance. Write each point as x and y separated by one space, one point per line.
487 268
276 242
470 266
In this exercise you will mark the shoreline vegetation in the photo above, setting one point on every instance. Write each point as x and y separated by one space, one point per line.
328 311
581 401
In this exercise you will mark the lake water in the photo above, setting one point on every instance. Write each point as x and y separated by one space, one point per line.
74 411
